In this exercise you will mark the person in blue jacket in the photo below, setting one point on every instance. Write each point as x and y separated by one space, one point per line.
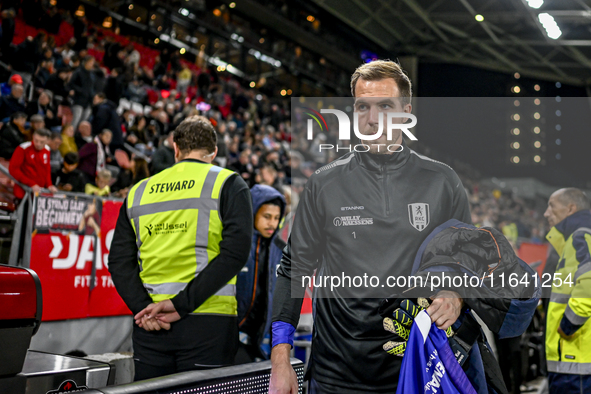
256 282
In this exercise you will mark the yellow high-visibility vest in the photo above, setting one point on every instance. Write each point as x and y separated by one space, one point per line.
175 216
570 356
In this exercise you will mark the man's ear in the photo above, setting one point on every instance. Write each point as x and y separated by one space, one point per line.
408 110
177 153
572 208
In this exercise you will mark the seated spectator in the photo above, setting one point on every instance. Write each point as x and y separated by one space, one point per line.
6 87
164 155
102 188
67 51
12 134
94 156
136 92
105 117
44 107
69 178
37 123
12 103
84 134
30 164
68 141
56 158
43 73
139 130
244 168
269 176
128 178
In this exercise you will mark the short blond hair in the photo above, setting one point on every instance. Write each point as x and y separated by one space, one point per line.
104 175
383 69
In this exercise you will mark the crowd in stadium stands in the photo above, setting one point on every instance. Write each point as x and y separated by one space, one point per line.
517 218
109 114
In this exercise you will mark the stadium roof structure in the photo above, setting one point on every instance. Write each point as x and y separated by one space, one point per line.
511 36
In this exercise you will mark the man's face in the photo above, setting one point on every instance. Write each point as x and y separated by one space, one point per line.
373 98
39 141
89 64
20 121
557 211
85 129
70 167
17 91
106 137
274 157
38 125
244 158
267 219
268 176
55 143
43 99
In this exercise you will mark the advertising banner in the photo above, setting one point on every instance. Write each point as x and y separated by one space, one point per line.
69 251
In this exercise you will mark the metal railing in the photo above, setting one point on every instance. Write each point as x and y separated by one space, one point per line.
246 378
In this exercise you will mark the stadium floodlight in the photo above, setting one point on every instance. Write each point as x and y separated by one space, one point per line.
552 29
535 3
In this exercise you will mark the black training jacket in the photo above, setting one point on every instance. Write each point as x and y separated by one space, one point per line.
362 214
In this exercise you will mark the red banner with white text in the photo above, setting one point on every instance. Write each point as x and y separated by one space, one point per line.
70 234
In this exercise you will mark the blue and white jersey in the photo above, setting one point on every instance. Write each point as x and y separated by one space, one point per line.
429 366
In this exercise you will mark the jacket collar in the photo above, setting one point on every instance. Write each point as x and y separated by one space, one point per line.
377 162
559 234
192 161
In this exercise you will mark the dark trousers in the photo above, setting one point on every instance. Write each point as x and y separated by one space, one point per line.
194 342
510 361
562 383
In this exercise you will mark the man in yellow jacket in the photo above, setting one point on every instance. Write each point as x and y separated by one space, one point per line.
568 329
181 238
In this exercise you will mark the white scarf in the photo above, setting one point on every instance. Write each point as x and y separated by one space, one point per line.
101 158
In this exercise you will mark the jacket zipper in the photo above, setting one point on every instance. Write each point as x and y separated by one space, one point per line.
254 287
385 176
559 349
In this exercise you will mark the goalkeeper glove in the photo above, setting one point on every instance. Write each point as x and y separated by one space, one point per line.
401 322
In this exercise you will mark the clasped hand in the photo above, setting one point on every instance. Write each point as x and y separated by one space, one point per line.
157 316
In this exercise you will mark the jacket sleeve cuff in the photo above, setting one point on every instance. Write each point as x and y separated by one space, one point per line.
282 332
181 306
571 322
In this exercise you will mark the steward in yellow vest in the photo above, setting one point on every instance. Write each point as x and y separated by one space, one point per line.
568 329
181 238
